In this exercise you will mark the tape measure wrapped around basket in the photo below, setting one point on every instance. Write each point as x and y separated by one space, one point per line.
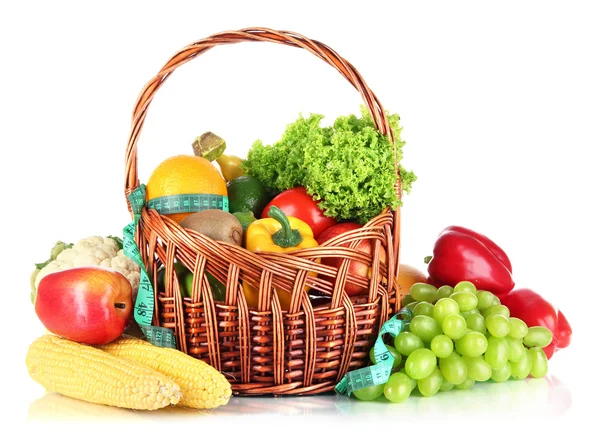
306 349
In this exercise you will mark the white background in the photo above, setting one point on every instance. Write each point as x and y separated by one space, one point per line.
500 107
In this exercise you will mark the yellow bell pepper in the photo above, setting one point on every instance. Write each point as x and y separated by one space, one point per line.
277 234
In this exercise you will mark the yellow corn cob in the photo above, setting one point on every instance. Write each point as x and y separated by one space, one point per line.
202 386
86 373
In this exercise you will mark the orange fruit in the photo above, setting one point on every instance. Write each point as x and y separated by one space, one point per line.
184 174
408 276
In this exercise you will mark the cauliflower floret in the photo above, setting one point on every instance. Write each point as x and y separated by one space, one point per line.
94 251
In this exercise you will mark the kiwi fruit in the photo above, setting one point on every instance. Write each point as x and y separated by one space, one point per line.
217 224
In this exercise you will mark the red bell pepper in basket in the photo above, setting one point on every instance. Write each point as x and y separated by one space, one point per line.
534 310
297 203
461 254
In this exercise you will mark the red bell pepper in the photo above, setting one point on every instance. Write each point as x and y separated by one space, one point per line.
461 254
534 310
297 203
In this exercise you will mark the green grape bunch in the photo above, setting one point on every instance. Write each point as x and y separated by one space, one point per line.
458 336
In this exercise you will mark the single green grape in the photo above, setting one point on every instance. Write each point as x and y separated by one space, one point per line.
518 328
407 299
425 328
521 369
537 336
423 309
496 301
496 309
466 384
398 388
516 350
441 346
445 291
485 299
465 286
423 292
443 308
466 314
446 386
420 363
407 342
430 385
498 325
502 374
454 326
393 352
453 368
476 322
497 351
472 344
477 369
413 382
369 393
466 300
539 362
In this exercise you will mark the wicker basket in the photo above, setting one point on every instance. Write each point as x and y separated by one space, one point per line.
307 349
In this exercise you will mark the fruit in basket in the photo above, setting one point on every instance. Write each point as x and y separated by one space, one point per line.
202 386
247 194
186 280
89 304
90 374
356 267
185 174
298 203
217 224
277 234
230 166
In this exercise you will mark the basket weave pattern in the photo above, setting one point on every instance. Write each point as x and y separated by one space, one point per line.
264 350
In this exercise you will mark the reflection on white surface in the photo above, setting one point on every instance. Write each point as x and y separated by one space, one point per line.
527 398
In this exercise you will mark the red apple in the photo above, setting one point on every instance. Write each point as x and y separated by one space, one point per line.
356 268
90 304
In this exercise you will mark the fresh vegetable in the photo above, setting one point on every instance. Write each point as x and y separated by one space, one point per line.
91 251
247 194
349 166
230 166
186 281
460 254
88 304
356 268
534 310
280 234
442 352
245 219
90 374
217 224
297 203
202 386
209 146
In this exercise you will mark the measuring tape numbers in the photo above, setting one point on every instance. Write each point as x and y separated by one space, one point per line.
184 203
144 303
379 373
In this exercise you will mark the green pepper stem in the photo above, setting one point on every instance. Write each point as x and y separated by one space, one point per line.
285 237
428 259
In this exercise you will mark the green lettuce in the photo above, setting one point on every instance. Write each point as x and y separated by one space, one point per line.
349 166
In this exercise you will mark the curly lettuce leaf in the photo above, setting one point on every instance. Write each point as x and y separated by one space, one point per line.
349 166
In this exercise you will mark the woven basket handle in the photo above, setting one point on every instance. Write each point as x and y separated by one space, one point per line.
233 37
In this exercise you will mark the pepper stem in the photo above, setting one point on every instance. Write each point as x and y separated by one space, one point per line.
285 237
428 259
